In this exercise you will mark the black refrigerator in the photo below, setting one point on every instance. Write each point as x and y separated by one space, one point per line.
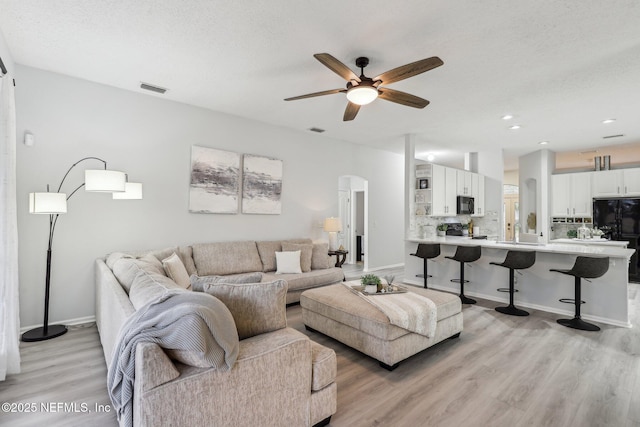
620 220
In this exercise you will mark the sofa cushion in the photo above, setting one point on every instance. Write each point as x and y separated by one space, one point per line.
288 262
312 279
306 249
126 268
256 307
198 282
267 251
226 258
176 270
320 258
148 287
323 366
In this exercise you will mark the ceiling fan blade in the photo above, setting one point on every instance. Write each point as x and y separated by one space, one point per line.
311 95
409 70
350 112
401 98
337 67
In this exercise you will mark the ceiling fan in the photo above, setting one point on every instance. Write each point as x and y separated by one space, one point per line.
364 90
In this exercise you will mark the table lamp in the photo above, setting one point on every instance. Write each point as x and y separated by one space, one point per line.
333 226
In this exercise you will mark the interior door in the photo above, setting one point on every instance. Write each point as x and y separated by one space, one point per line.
510 216
344 212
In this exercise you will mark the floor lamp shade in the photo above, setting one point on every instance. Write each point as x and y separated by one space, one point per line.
133 191
104 181
47 203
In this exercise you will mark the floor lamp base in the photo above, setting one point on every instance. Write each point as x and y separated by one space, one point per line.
38 334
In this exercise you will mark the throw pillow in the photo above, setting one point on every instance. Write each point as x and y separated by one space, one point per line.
198 282
320 258
176 270
306 250
126 269
267 251
288 262
256 308
149 287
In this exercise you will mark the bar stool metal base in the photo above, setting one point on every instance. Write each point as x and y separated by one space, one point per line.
512 310
467 300
577 323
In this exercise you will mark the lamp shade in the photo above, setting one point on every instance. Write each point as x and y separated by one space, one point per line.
133 191
47 203
362 95
332 225
104 181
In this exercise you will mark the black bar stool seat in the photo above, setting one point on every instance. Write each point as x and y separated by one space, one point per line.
584 268
426 251
465 254
515 260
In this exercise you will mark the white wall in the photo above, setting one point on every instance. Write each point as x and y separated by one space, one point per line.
7 59
151 139
534 180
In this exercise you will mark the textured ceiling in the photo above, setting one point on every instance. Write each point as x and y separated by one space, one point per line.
560 67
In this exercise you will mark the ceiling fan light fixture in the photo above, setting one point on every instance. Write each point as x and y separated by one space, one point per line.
362 95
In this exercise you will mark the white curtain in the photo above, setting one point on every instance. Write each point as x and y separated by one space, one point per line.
9 306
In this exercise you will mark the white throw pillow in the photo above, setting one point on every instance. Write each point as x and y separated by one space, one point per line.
288 262
176 270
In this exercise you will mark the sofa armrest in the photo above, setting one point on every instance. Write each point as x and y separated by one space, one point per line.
112 307
153 367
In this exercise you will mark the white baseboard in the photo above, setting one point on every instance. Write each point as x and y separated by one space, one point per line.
546 309
384 267
68 322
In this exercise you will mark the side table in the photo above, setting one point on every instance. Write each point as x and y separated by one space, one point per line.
341 256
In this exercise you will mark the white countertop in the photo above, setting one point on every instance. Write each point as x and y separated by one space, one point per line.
560 248
594 241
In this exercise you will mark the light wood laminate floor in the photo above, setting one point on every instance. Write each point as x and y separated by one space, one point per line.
502 371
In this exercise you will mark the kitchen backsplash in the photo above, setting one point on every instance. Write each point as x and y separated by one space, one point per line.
425 226
559 230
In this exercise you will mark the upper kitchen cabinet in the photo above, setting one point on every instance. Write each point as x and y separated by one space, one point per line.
464 184
616 183
571 194
477 192
443 191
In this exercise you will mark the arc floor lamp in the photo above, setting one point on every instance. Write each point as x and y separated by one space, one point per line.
54 204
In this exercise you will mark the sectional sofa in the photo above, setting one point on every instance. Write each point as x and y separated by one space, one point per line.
280 377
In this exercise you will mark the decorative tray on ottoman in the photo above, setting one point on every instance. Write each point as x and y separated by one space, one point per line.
398 290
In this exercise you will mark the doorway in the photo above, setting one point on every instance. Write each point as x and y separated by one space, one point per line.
352 210
511 212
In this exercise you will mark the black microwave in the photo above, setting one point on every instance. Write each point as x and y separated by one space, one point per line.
465 206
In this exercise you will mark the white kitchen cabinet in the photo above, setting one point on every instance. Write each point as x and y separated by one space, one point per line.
571 195
464 183
631 182
607 183
616 183
443 191
477 192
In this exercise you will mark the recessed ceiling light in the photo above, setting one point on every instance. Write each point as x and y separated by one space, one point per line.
543 142
507 117
431 157
514 127
607 121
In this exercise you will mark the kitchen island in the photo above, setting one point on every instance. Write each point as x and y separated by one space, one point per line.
606 297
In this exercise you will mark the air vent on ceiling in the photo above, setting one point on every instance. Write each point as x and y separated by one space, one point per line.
152 88
588 152
612 136
317 130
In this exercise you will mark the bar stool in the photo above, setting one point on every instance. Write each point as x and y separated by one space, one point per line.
515 260
584 268
465 254
426 251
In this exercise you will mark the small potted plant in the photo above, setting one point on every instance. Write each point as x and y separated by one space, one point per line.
442 229
465 229
371 283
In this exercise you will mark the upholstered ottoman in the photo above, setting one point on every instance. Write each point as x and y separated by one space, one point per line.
339 313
